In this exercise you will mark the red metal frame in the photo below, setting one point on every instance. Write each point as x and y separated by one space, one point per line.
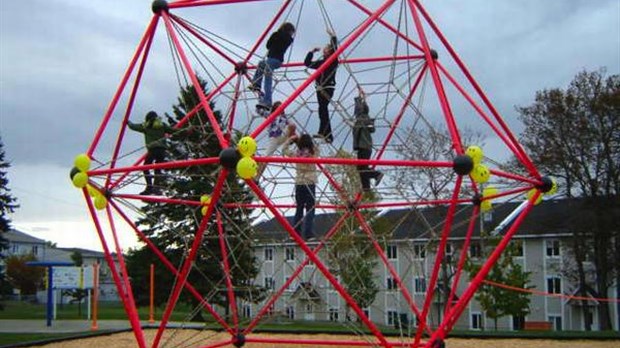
105 181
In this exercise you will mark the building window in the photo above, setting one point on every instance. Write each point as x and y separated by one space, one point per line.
247 311
475 250
290 254
487 216
391 283
554 285
35 250
556 322
449 249
291 286
553 248
290 312
268 254
333 314
366 312
392 317
419 251
392 252
419 285
476 321
269 283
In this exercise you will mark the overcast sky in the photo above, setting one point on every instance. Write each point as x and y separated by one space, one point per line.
61 61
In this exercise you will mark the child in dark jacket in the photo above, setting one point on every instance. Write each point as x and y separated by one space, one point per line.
362 141
277 45
155 138
325 84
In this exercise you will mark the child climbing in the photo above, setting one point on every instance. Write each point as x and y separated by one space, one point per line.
280 130
325 84
155 139
277 45
306 179
362 140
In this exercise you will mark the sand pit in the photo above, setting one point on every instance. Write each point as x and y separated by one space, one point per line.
192 338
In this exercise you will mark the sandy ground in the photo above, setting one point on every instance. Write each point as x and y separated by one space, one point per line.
192 338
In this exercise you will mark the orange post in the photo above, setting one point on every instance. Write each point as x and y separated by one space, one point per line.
152 297
95 290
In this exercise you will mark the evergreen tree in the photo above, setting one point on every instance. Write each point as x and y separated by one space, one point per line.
498 302
172 227
7 206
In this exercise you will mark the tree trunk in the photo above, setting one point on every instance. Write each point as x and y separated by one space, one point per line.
579 258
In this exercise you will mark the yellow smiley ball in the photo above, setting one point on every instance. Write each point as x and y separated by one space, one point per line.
246 168
100 202
475 153
246 146
204 210
82 162
93 192
480 173
80 180
531 193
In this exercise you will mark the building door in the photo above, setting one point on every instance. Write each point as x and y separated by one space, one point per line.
309 314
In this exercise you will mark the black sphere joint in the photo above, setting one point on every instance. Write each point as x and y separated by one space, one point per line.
546 184
477 200
462 164
229 158
159 5
74 171
434 54
241 68
239 340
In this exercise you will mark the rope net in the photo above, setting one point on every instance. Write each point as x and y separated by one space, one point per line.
229 246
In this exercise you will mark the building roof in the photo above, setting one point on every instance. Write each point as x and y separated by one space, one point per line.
551 217
15 236
86 253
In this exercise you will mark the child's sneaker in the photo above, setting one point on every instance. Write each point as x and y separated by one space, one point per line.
254 88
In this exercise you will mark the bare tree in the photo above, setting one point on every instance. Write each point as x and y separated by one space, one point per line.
574 135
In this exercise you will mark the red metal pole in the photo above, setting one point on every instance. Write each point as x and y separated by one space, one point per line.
458 308
188 67
441 94
95 303
322 68
226 267
167 165
438 259
182 276
135 325
319 264
121 87
529 164
172 269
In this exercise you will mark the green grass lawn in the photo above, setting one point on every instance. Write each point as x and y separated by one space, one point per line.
106 311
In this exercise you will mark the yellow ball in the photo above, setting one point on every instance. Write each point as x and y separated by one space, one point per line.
204 210
82 162
531 193
489 191
93 192
80 180
480 173
554 188
475 153
247 146
486 206
247 167
205 199
100 202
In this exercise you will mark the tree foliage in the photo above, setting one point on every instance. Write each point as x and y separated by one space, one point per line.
23 277
497 302
574 136
7 206
172 228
